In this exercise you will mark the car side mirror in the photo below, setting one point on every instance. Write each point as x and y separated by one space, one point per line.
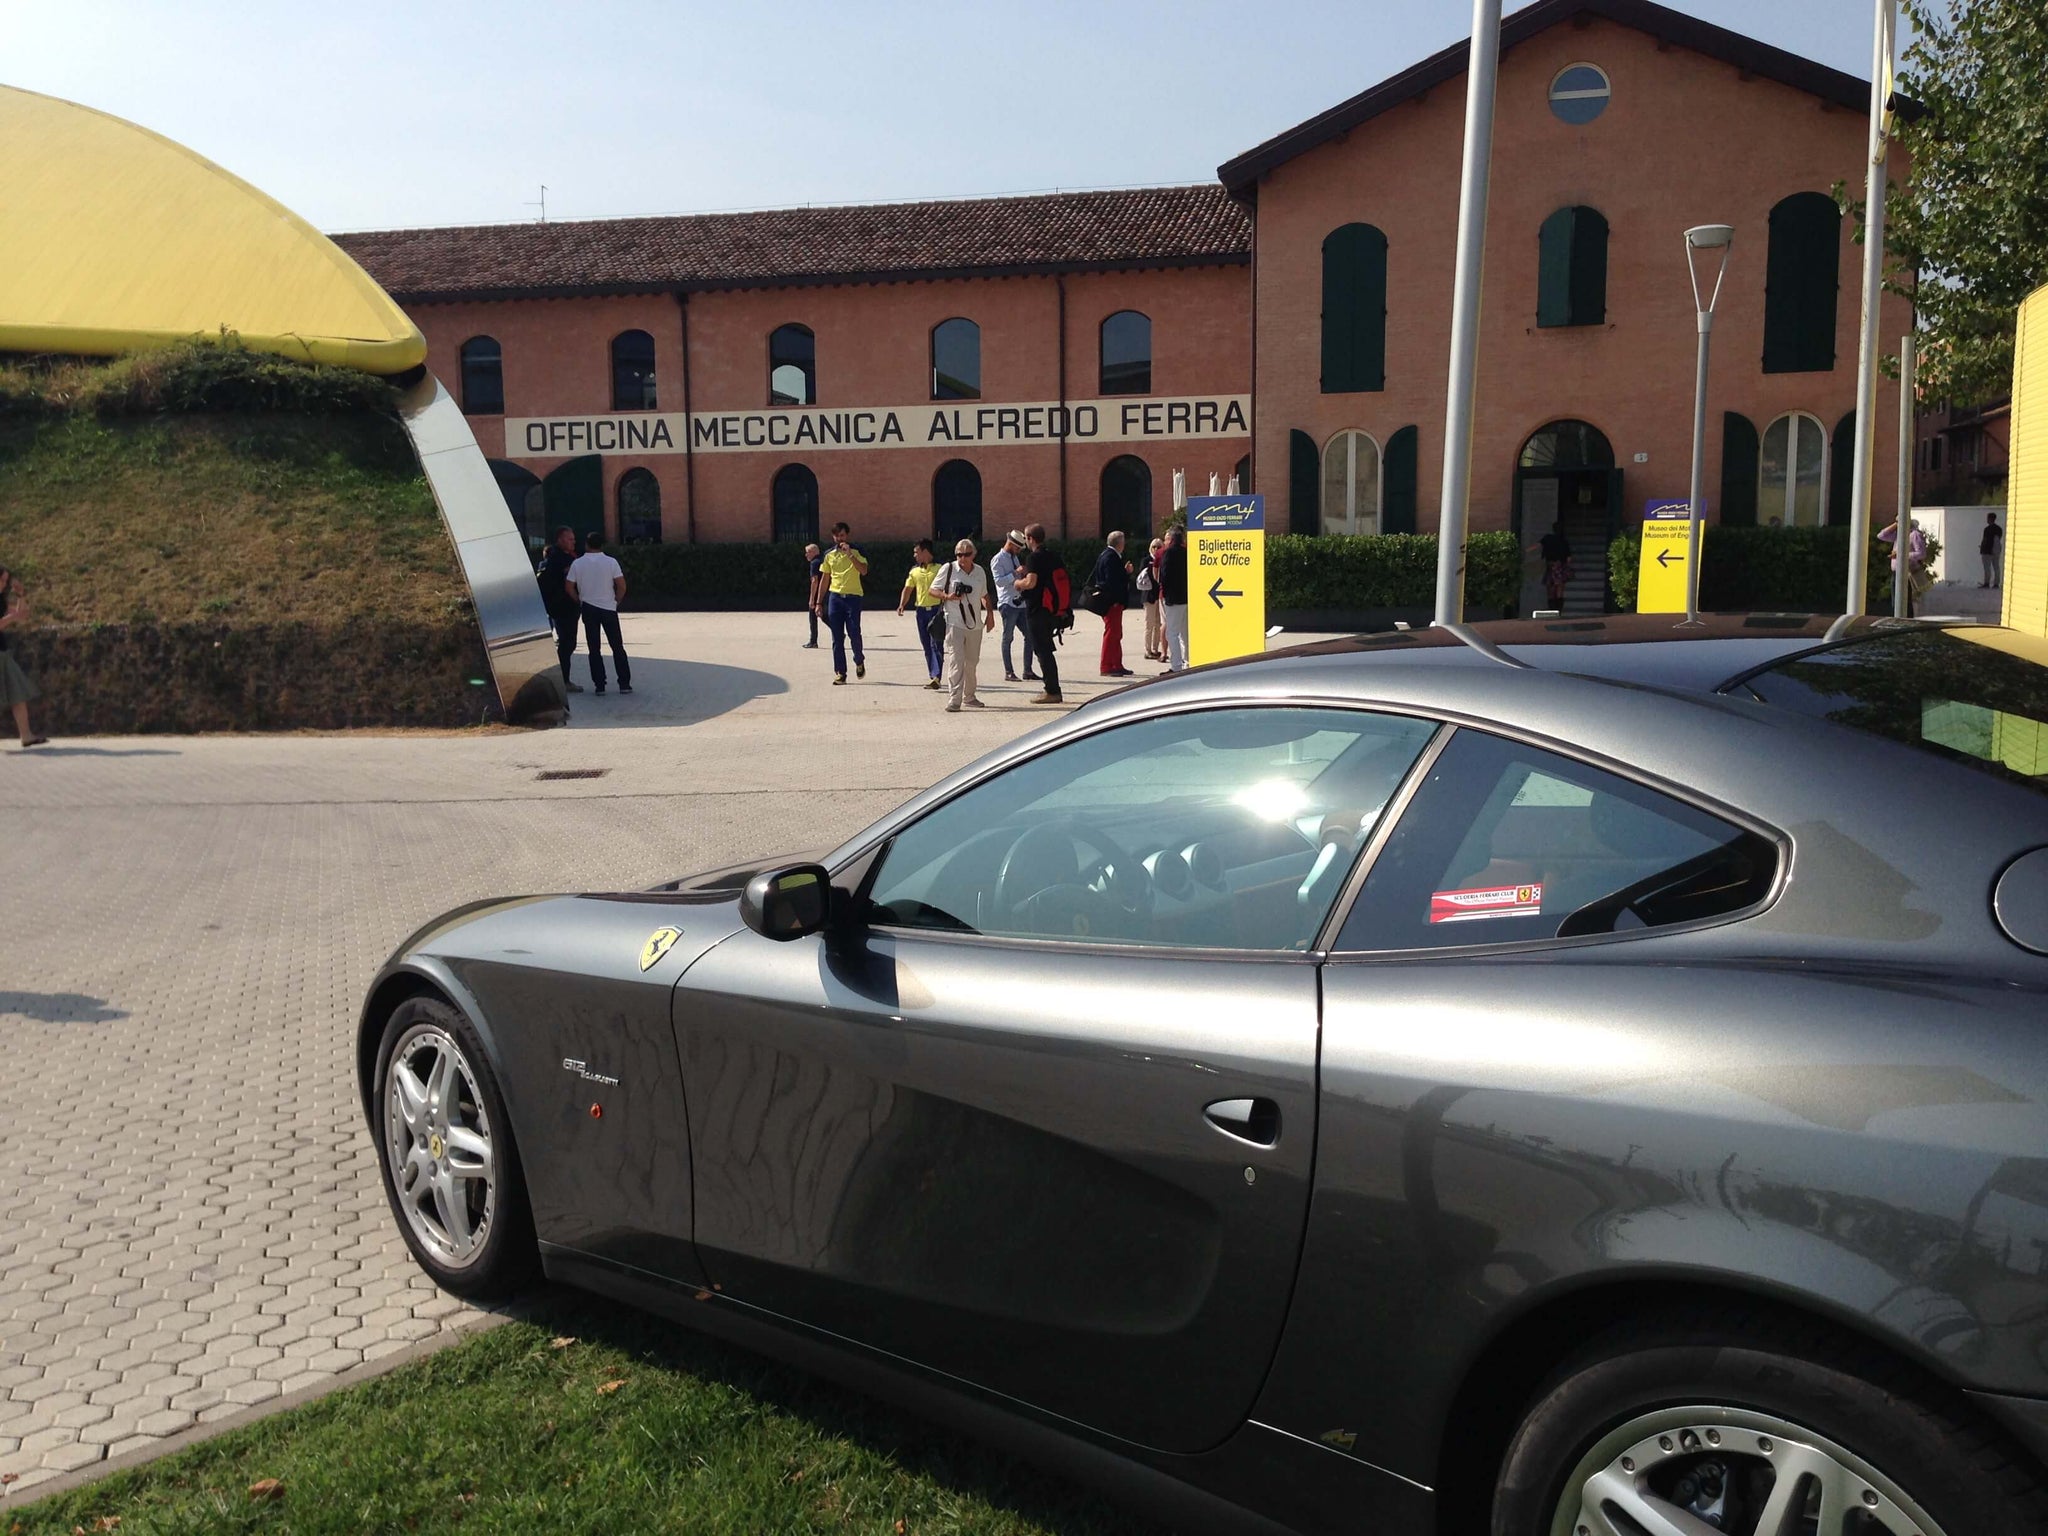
788 903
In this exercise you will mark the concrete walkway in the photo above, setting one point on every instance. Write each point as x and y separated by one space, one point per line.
190 1216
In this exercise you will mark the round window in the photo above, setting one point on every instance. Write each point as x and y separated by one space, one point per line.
1579 93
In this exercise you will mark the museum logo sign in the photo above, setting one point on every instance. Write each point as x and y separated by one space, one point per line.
904 426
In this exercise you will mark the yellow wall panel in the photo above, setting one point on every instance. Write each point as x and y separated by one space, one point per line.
113 238
2026 514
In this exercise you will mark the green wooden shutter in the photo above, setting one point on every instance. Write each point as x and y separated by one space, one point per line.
1397 483
1354 310
1842 471
1738 470
1554 269
1801 277
1304 484
1589 267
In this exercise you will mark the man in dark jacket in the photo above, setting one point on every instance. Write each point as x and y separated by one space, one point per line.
1111 578
1037 587
563 610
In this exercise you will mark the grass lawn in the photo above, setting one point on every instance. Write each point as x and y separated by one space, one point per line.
511 1431
253 519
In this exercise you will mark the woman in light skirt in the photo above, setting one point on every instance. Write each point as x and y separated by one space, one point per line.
16 690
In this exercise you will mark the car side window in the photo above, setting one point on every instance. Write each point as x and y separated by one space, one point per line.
1226 828
1504 843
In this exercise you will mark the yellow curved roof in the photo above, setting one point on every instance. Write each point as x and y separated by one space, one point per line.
112 238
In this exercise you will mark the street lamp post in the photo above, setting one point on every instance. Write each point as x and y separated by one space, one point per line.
1703 237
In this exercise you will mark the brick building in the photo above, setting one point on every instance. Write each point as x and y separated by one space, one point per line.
970 365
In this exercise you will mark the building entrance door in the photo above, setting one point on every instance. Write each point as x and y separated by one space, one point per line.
1566 475
574 493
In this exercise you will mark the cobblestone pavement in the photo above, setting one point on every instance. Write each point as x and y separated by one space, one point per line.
190 1217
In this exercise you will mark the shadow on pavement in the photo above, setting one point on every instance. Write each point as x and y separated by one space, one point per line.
920 1445
59 1008
665 692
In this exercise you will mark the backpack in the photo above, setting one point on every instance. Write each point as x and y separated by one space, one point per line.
1059 601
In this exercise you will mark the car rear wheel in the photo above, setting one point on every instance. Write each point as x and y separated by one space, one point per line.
451 1171
1754 1428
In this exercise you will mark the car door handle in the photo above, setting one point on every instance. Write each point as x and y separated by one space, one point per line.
1254 1120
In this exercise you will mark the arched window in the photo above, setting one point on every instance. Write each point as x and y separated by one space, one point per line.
632 371
1127 497
794 500
1351 484
956 360
1567 445
1398 474
1571 268
1738 470
1304 483
525 500
1354 310
483 377
1790 474
1801 275
956 505
639 504
1241 472
792 366
1127 354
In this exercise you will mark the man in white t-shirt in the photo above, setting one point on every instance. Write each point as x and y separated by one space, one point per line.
596 581
963 588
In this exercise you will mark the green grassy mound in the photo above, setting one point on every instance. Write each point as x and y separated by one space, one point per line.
210 540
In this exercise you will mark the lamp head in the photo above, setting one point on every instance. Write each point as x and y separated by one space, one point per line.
1708 237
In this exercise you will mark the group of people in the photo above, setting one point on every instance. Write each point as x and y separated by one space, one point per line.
584 587
1026 585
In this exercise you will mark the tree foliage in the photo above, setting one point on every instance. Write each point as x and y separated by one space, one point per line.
1974 222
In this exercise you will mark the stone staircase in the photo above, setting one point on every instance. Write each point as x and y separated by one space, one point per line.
1586 594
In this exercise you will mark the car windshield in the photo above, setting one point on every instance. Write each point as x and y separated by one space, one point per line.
1975 695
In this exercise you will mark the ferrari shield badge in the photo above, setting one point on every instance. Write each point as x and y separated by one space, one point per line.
659 943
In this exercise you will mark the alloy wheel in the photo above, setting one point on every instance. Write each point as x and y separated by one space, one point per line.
1717 1471
437 1138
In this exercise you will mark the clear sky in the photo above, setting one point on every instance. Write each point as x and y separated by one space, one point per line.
365 114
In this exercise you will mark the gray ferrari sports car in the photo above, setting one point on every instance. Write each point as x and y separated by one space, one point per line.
1548 1078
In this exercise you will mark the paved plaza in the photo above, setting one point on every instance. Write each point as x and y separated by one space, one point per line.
190 1218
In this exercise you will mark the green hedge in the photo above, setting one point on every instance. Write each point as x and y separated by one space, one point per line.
1763 570
213 374
1302 572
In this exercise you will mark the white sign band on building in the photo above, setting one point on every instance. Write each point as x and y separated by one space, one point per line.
1135 420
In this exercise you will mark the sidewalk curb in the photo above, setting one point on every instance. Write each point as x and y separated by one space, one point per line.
199 1434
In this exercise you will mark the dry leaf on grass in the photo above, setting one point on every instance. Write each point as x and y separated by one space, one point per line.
266 1488
562 1343
606 1389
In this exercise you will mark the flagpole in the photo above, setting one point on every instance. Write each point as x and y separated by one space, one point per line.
1873 293
1454 502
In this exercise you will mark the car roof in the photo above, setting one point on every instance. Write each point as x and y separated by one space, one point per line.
1652 650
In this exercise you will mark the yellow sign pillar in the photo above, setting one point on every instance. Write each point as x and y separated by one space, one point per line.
1667 545
1226 577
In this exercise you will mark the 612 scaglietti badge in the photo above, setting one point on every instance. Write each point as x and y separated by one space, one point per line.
1554 1080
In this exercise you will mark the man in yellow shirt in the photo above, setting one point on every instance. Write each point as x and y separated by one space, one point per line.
842 568
931 623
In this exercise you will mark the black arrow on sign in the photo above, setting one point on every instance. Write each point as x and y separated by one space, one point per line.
1217 594
1664 557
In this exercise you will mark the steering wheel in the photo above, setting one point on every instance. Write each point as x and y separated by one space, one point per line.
1036 872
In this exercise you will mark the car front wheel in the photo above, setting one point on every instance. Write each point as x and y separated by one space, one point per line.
1755 1428
445 1141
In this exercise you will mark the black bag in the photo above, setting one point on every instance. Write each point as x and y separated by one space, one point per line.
1093 599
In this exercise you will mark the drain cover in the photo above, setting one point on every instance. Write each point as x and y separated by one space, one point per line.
572 773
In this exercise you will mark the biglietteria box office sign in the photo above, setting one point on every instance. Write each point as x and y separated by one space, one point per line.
902 426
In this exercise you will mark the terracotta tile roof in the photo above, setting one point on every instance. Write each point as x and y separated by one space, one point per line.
1151 226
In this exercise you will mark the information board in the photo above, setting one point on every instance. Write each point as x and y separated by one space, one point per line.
1226 577
1667 546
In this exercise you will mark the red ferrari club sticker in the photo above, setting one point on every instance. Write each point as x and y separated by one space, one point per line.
1487 901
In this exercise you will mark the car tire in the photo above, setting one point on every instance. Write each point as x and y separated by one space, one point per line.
444 1144
1716 1414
